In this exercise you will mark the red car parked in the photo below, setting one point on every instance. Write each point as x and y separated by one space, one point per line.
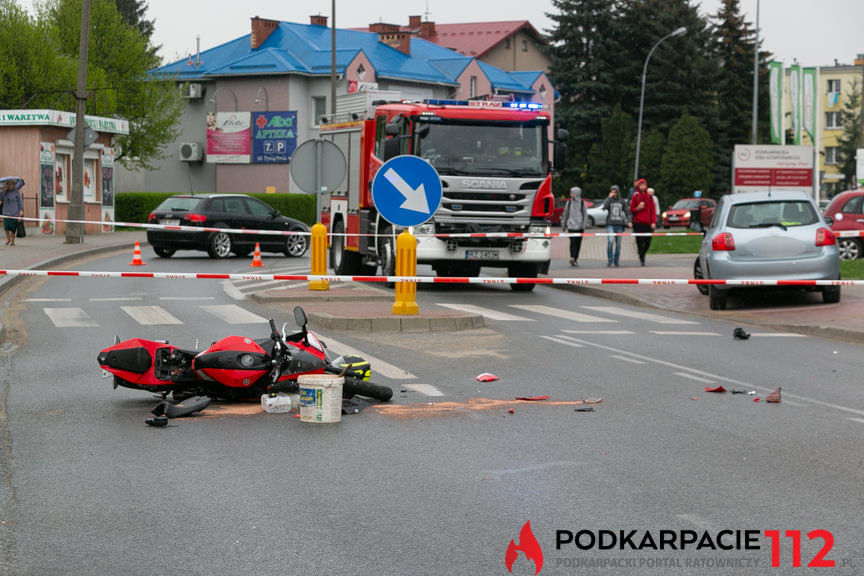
847 212
679 213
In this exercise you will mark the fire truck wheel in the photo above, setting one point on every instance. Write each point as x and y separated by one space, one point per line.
522 270
387 254
344 263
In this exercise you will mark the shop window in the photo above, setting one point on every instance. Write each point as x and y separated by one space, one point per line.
89 180
61 177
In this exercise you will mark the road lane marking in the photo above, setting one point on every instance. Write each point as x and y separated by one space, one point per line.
861 420
638 315
151 315
718 377
69 318
567 342
626 359
778 335
566 314
118 299
602 332
682 333
47 299
233 314
425 389
486 312
696 378
384 368
195 298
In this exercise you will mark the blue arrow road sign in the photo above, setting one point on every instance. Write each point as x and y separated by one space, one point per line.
406 191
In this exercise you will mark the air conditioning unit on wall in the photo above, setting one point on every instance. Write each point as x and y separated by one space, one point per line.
193 90
190 152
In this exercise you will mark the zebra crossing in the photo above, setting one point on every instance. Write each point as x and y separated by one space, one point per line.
241 289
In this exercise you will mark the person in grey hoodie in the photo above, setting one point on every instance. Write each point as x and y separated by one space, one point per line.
573 220
615 223
12 208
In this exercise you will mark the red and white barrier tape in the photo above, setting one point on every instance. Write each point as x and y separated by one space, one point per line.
432 280
180 228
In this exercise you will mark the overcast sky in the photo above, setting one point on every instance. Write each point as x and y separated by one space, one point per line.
816 32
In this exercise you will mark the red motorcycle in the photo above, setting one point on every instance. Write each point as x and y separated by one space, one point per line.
235 367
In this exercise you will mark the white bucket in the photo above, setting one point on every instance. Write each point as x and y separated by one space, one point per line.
320 398
280 403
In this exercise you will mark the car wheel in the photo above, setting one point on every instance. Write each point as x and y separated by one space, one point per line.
831 294
220 245
590 222
697 275
849 248
164 252
716 298
296 244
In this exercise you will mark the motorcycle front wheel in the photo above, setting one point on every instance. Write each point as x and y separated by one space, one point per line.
356 387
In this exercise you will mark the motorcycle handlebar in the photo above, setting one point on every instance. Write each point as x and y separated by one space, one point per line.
274 334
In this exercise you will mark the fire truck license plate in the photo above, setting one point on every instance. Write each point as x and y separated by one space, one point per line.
481 255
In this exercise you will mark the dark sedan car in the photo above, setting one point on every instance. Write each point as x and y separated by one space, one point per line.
223 211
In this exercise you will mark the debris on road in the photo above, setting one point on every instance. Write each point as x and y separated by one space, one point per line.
740 334
717 389
486 377
592 400
584 409
774 397
157 421
531 398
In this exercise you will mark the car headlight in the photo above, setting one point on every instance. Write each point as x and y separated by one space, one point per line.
663 215
686 214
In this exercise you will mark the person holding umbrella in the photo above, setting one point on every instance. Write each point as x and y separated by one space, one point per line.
11 206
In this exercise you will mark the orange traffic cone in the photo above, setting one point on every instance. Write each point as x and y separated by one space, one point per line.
256 257
136 256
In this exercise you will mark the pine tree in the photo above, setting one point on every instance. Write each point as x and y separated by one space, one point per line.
133 12
610 161
583 50
853 135
687 160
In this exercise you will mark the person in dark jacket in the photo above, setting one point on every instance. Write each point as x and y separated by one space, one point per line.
644 217
573 220
13 207
616 220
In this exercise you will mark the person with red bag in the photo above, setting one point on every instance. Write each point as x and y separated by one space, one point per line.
644 217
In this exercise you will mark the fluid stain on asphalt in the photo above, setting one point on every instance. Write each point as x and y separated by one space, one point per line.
472 405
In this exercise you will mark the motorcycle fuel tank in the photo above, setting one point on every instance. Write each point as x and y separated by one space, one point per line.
235 361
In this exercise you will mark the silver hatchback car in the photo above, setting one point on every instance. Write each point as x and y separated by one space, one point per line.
778 235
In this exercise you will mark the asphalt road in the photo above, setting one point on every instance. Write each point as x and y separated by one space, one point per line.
438 482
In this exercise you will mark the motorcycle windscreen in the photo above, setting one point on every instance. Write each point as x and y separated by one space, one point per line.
235 361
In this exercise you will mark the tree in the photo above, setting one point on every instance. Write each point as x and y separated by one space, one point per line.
583 51
853 135
733 49
132 12
610 160
119 60
687 160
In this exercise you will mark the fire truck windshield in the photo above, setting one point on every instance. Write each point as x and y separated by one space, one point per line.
515 150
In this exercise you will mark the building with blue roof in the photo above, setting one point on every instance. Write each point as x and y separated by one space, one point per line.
284 69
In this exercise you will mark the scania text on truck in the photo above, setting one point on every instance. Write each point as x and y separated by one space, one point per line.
496 174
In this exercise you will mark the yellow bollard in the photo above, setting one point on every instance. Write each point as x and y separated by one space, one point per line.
318 257
406 265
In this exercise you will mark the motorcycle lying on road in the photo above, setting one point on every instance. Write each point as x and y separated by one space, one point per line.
235 367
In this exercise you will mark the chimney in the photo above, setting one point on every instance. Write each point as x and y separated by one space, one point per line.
261 29
381 27
318 20
427 30
399 40
859 60
414 22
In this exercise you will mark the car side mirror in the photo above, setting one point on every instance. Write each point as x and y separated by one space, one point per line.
275 214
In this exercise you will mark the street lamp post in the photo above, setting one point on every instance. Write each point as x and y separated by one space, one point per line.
679 32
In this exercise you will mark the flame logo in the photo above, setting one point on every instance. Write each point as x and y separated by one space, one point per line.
528 545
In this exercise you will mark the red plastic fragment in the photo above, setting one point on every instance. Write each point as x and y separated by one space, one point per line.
755 399
717 389
485 377
511 411
774 396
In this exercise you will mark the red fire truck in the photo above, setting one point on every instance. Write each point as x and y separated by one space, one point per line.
495 167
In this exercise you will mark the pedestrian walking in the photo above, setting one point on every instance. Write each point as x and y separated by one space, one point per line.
573 220
644 213
616 221
12 207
